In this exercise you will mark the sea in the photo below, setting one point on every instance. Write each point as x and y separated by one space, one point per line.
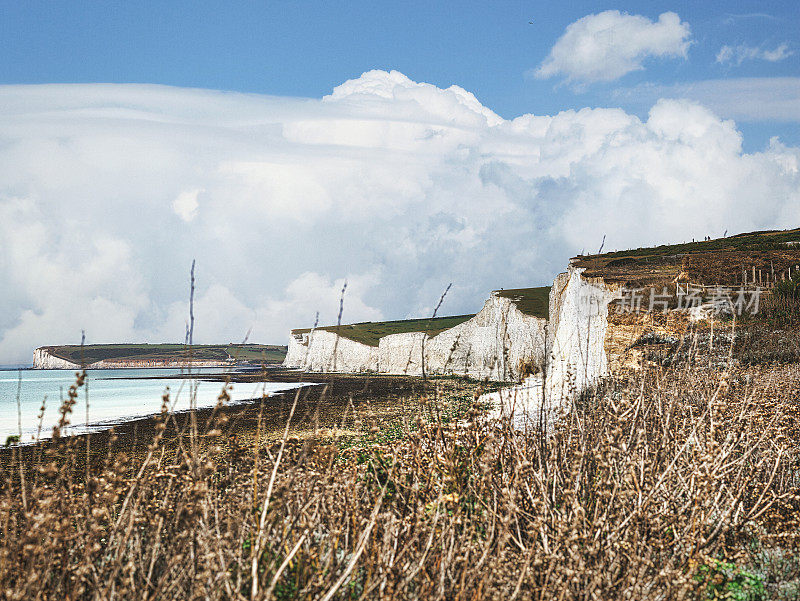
110 396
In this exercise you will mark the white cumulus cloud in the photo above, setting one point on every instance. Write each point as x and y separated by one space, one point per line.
738 54
610 44
396 187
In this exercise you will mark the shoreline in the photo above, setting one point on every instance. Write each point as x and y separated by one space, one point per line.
324 407
183 366
110 398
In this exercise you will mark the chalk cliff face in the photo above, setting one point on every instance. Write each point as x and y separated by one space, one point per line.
42 359
577 347
577 333
500 343
497 343
320 350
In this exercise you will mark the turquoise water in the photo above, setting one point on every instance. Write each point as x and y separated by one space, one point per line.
110 400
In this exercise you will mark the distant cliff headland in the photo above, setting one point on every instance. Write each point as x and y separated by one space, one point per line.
121 356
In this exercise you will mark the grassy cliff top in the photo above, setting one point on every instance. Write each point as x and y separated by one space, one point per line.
531 301
370 332
749 241
91 353
725 261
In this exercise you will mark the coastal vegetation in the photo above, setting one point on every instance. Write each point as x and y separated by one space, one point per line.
754 259
747 241
680 480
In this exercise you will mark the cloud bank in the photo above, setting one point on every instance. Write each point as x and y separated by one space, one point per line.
740 98
107 193
738 54
610 44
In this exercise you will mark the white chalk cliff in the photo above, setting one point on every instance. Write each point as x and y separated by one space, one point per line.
42 359
576 351
500 343
497 343
576 334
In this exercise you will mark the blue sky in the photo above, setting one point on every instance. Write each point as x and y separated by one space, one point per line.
306 48
397 146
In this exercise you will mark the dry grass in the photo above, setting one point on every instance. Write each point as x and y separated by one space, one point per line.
654 486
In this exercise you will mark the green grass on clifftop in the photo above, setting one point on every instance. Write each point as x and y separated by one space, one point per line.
370 332
531 301
750 258
749 241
